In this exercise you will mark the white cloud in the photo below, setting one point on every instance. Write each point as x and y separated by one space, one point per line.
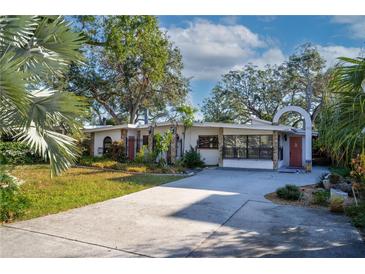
356 24
210 50
331 53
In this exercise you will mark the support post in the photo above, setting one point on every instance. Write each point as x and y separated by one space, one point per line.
92 144
275 151
150 138
174 145
220 146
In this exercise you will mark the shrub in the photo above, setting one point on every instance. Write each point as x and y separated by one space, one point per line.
337 204
192 159
289 192
117 151
334 178
357 214
12 202
341 171
320 197
358 168
144 156
17 153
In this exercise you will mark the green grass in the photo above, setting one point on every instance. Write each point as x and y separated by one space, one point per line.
77 187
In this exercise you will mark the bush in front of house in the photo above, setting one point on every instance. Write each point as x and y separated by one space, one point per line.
12 202
117 152
192 159
17 153
289 192
320 197
357 214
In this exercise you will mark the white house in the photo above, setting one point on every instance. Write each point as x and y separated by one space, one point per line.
257 144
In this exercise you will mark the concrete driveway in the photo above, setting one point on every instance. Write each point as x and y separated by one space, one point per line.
217 213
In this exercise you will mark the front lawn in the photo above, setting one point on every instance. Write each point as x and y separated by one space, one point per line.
77 187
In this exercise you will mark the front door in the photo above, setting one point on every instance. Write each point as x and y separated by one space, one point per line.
296 151
131 148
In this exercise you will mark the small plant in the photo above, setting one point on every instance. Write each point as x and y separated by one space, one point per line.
12 202
144 156
357 214
289 192
320 197
162 143
358 168
337 204
192 159
117 151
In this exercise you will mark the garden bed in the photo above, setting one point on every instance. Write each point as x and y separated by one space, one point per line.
130 167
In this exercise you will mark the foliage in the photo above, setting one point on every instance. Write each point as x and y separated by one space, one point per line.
341 171
246 92
342 120
358 168
260 92
34 52
320 197
357 214
77 187
304 75
131 68
144 167
162 143
192 159
144 156
337 204
16 153
117 151
12 202
289 192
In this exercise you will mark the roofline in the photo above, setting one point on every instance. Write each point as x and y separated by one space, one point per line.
267 127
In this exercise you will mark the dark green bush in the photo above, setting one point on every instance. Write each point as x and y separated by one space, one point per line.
17 153
341 171
289 192
192 159
320 197
12 202
357 214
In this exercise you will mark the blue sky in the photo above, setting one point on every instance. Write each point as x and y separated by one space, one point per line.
212 45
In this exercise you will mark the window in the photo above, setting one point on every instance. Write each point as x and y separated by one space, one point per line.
247 147
145 140
208 141
107 143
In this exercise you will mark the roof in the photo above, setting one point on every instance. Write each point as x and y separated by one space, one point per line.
256 124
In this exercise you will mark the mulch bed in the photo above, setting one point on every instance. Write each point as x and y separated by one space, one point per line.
306 190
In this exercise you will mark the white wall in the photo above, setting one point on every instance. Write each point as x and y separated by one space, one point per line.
210 156
246 163
99 139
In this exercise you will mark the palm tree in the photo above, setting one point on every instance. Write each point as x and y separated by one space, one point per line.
342 121
36 51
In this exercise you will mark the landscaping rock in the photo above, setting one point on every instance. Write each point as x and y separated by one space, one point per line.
345 187
338 193
326 184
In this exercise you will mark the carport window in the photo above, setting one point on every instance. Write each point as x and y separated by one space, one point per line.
208 141
247 147
107 143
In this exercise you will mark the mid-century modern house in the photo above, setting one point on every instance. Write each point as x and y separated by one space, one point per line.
257 144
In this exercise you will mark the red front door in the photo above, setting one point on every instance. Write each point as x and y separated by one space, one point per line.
131 148
296 151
